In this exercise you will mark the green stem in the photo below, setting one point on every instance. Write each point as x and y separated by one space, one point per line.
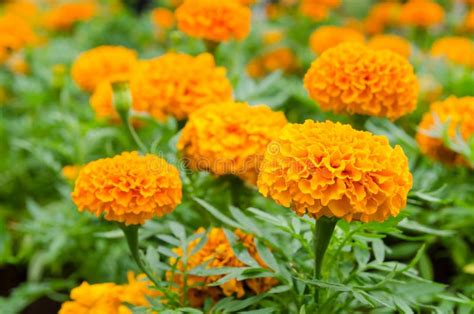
135 137
131 234
322 236
211 46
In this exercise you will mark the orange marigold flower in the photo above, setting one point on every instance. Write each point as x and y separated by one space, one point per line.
271 37
278 59
65 15
179 84
97 298
214 20
229 138
329 169
458 50
458 113
421 13
326 37
128 188
382 15
391 42
103 63
22 8
108 297
468 24
314 10
162 17
356 79
15 33
71 172
217 253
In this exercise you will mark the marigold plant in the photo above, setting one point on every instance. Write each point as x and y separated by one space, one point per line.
326 37
459 50
421 13
391 42
217 252
329 169
214 20
63 16
229 138
103 63
277 59
356 79
458 115
128 188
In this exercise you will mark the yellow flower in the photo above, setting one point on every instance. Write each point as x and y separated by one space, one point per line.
458 113
137 290
381 15
217 253
326 37
71 172
22 8
356 79
179 84
128 188
458 50
103 63
162 17
214 20
272 37
421 13
391 42
65 15
229 138
329 169
277 59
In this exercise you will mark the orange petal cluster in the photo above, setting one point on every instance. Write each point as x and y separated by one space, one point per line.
65 15
162 17
329 169
214 20
103 63
382 15
218 253
458 113
391 42
468 24
277 59
15 34
326 37
109 297
71 172
128 188
317 9
421 13
459 50
229 138
356 79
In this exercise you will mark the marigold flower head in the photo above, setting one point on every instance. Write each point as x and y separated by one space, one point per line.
22 8
421 13
71 172
458 50
391 42
271 37
458 114
214 20
277 59
128 188
229 138
65 15
179 84
468 24
326 37
217 253
356 79
15 33
382 15
329 169
109 298
162 18
103 63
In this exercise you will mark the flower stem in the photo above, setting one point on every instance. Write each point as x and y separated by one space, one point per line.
131 234
322 235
